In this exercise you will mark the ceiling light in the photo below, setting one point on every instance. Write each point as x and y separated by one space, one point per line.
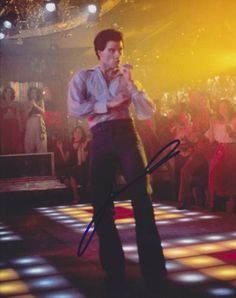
50 6
2 35
92 8
7 24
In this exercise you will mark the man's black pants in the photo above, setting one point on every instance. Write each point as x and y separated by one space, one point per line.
116 142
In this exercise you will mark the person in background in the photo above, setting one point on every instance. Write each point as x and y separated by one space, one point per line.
78 161
103 95
222 174
10 123
35 132
61 157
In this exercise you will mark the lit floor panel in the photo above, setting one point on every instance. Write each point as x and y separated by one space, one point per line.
202 262
190 260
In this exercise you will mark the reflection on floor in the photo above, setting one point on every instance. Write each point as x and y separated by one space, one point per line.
40 261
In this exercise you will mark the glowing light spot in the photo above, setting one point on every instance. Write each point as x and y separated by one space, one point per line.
229 244
159 212
50 7
59 217
208 247
185 219
163 222
187 241
5 232
166 208
48 211
13 288
200 261
47 283
78 225
189 277
227 272
168 216
178 252
128 248
214 237
222 292
28 261
8 274
2 35
165 244
173 266
125 220
61 207
207 217
7 24
92 8
126 226
38 270
10 238
68 221
64 294
192 213
54 214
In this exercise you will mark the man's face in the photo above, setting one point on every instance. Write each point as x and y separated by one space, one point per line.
111 56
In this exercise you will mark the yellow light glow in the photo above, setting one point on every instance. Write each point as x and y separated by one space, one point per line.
173 253
126 205
207 247
78 213
158 212
229 244
8 274
124 220
226 272
15 287
83 208
66 209
83 215
168 216
200 261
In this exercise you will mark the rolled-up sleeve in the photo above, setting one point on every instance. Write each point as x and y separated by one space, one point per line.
80 104
143 105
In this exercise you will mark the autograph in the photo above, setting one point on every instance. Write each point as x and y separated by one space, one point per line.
151 167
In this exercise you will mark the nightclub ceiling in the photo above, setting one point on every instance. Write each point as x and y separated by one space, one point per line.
30 18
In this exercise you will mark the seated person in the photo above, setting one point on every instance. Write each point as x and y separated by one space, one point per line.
78 162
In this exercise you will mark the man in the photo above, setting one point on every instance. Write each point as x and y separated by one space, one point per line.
103 95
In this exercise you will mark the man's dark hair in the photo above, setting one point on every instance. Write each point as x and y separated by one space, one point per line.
103 37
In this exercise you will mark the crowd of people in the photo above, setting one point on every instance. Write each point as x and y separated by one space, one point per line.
203 173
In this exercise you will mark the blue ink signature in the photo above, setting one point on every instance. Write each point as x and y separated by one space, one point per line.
151 167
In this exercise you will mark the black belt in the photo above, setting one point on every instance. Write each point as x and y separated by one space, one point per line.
112 124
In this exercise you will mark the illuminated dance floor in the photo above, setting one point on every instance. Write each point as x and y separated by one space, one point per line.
38 252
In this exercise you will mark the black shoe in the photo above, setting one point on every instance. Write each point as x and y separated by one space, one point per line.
157 288
117 287
182 206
